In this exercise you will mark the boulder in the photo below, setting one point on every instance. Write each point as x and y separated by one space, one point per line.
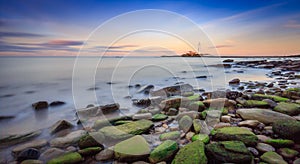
170 103
163 152
228 152
272 157
141 116
288 129
172 90
109 122
255 103
192 114
249 123
32 144
32 161
126 130
272 97
159 117
67 140
105 155
29 153
40 105
201 137
89 151
93 139
291 109
288 153
145 89
60 125
185 123
262 115
196 106
73 157
228 60
97 110
170 136
280 142
235 134
192 153
56 103
197 125
262 147
212 118
132 149
234 81
51 153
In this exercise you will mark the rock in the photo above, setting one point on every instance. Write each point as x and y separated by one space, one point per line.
192 114
185 123
196 106
212 118
262 138
280 142
249 123
288 153
288 108
163 152
109 122
191 153
170 136
253 151
297 161
201 137
255 103
51 153
226 119
271 97
60 125
159 117
105 155
228 60
264 147
93 139
262 115
132 149
40 105
145 89
67 140
197 125
272 158
172 90
126 130
271 103
235 133
89 151
170 103
56 103
234 81
142 102
141 116
172 112
97 110
289 129
6 117
121 122
73 157
189 135
228 152
32 161
217 103
32 144
29 153
221 125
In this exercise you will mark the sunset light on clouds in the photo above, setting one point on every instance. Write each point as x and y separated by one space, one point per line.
60 28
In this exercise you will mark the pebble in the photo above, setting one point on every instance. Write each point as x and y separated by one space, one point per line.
226 119
249 123
264 147
262 138
221 125
105 155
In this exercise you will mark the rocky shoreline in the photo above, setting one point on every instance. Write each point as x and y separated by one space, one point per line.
255 122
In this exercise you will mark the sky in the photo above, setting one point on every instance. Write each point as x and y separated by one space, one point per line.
118 27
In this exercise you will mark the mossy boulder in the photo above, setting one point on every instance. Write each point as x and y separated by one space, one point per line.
185 123
272 97
195 97
280 142
197 106
192 153
68 158
288 108
170 103
132 149
272 157
126 130
159 117
109 122
228 152
90 151
255 103
163 152
292 93
197 125
287 129
91 140
288 153
122 122
235 133
170 136
201 137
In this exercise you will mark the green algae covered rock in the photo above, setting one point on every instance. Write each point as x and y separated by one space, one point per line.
126 130
132 149
272 97
272 157
185 123
170 136
255 103
90 151
287 129
228 152
288 108
235 133
280 142
192 153
91 140
201 137
68 158
159 117
197 106
197 125
163 152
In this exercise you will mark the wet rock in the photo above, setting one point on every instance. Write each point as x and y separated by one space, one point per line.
272 158
197 125
264 147
6 117
288 153
233 95
111 121
141 102
201 137
163 152
56 103
170 136
105 155
29 153
173 90
262 138
226 119
228 152
253 151
126 130
51 153
159 117
221 125
132 149
32 161
228 60
191 153
235 133
98 110
67 140
60 125
185 123
40 105
141 116
280 142
288 129
212 118
271 97
288 108
32 144
73 157
196 106
192 114
234 81
145 89
89 151
255 103
271 103
262 115
93 139
249 123
172 112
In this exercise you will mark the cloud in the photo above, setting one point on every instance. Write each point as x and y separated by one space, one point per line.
292 24
63 43
222 46
117 47
19 35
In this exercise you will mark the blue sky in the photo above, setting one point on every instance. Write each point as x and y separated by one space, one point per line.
236 27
